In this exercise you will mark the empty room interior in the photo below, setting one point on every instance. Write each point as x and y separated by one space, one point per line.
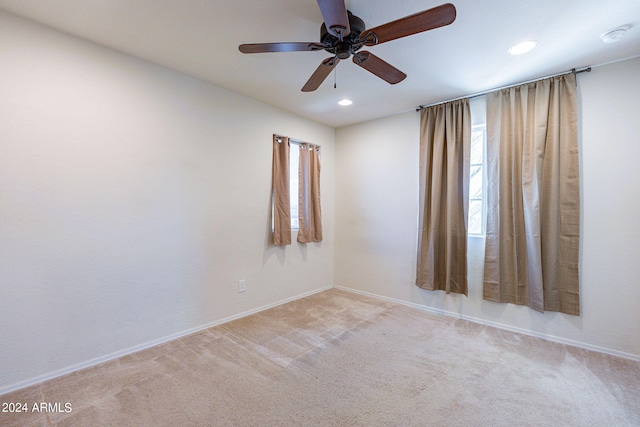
193 230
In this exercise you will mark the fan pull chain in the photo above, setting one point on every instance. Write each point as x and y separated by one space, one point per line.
335 78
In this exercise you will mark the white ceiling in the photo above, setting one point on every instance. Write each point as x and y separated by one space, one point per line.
201 37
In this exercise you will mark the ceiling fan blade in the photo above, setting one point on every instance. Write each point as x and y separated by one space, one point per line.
320 74
280 47
380 68
334 13
413 24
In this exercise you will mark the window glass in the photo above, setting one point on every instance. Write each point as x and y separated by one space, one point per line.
477 181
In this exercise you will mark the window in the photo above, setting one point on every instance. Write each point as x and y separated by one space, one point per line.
295 191
477 185
294 187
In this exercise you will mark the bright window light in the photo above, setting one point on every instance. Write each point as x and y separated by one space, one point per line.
345 102
477 182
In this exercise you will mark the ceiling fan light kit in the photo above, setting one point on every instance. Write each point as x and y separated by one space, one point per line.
343 35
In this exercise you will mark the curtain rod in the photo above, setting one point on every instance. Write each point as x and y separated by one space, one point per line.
296 141
477 94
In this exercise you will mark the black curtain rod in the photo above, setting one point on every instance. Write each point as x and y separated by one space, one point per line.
475 95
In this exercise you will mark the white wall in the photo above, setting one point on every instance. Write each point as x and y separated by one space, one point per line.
377 208
132 199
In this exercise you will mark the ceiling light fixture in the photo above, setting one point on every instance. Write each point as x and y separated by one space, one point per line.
523 47
614 35
345 102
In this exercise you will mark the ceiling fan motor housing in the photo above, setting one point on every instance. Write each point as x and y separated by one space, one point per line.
348 45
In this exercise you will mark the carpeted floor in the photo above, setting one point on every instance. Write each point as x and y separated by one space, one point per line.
342 359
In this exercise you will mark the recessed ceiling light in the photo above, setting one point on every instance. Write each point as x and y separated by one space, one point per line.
345 102
614 35
523 47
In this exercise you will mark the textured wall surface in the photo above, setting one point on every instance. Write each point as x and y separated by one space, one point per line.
377 208
132 200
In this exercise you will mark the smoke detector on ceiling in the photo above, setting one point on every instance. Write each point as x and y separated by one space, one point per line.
614 35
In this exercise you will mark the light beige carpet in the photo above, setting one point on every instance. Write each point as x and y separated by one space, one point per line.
341 359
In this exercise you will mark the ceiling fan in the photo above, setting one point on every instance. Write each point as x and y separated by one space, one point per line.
344 34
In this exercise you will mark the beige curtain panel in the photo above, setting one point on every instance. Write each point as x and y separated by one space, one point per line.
445 137
309 213
280 192
533 197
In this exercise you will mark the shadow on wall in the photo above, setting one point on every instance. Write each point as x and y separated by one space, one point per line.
271 250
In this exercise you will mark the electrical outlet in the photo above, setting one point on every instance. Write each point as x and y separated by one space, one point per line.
242 285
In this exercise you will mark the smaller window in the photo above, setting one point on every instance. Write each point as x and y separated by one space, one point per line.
294 189
477 184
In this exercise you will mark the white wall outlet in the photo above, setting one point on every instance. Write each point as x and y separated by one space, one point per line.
242 285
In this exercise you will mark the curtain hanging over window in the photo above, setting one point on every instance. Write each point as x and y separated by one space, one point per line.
280 192
445 135
309 213
533 197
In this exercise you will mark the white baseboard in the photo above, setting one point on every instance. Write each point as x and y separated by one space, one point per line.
560 340
136 348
